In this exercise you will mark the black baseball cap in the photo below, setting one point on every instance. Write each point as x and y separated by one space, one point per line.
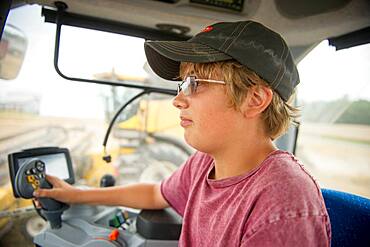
249 43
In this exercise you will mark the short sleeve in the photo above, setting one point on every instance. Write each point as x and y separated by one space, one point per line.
175 189
299 231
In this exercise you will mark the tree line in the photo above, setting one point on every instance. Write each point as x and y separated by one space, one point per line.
343 110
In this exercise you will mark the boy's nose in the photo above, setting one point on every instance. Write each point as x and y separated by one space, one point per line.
180 101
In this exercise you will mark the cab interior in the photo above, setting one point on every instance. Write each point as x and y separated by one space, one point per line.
304 24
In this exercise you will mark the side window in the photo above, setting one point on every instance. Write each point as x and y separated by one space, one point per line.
334 137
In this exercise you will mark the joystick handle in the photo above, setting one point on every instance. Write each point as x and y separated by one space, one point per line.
51 209
48 204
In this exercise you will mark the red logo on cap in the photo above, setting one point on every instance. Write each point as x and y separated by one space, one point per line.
207 29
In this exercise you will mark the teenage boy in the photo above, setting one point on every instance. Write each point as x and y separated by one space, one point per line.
238 189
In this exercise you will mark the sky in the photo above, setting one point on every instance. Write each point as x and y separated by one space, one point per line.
325 74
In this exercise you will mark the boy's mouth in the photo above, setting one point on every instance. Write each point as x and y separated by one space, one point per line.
185 122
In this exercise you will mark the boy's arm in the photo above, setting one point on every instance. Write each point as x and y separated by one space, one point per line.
145 196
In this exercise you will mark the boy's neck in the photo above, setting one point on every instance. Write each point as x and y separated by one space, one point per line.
238 161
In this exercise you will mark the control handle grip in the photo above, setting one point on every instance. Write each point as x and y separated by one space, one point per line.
48 203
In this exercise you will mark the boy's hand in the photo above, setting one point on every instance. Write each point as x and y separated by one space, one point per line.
61 191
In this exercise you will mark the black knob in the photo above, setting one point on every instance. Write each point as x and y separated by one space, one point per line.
107 181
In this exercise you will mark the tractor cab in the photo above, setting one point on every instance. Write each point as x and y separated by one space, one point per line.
78 100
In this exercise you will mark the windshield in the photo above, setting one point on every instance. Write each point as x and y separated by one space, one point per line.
41 109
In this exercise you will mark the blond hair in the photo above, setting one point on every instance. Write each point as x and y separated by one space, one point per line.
277 116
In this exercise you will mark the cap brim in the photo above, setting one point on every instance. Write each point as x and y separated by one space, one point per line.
164 57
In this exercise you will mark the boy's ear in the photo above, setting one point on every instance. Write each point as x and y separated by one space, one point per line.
258 98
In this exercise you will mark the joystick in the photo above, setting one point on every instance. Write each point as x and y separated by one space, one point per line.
29 178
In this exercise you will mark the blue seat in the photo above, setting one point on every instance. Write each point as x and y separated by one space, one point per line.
350 218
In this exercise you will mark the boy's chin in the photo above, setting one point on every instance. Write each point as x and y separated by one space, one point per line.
204 147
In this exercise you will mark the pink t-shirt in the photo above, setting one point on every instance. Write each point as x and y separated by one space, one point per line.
276 204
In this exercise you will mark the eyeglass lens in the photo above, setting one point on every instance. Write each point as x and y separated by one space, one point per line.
188 86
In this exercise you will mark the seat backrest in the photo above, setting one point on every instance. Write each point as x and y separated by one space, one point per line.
349 217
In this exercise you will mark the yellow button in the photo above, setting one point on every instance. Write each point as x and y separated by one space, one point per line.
30 178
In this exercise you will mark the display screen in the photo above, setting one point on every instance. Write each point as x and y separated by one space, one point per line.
226 4
55 164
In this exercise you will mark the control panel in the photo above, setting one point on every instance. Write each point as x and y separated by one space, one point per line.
50 160
28 173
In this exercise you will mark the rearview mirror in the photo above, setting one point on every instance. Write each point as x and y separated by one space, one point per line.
13 47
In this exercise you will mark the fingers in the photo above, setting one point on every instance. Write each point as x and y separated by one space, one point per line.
46 192
43 193
52 179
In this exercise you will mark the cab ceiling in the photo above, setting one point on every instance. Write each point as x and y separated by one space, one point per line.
301 22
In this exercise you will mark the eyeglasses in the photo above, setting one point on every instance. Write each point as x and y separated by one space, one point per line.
190 84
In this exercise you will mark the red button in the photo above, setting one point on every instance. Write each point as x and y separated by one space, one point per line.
114 235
